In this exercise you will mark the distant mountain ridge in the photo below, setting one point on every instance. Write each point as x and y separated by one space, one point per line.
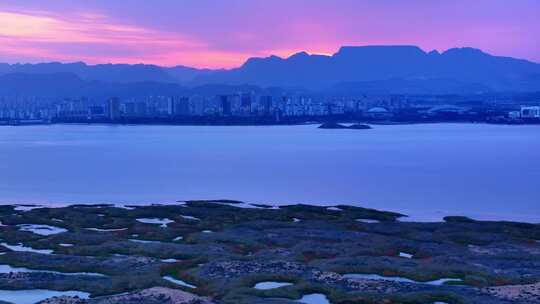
120 73
63 85
382 63
381 69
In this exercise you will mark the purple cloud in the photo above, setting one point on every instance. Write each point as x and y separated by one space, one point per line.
208 33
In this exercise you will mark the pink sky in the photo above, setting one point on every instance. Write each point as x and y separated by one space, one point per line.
215 34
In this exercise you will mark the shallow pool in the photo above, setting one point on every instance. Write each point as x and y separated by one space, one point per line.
314 298
179 282
7 269
35 295
161 222
363 276
271 285
20 247
44 230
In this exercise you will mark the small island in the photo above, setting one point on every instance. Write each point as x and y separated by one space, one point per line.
234 252
335 125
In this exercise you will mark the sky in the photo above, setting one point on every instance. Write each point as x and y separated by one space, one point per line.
223 34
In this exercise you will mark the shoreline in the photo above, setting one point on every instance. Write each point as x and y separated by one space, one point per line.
254 124
436 216
485 150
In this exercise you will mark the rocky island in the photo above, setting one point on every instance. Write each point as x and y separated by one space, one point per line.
233 252
335 125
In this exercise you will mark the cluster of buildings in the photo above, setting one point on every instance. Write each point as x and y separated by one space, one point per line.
230 105
248 105
525 112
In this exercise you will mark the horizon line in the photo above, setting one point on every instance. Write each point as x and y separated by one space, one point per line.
310 53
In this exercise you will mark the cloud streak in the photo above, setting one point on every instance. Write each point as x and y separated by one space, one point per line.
96 39
216 34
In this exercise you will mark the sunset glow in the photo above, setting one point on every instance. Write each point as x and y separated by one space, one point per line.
224 34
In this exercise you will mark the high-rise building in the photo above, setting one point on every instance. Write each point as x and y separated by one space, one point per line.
181 106
113 108
170 106
225 105
128 108
96 111
198 104
246 103
141 108
266 105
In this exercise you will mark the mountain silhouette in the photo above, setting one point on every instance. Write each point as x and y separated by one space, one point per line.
121 73
351 70
383 63
69 85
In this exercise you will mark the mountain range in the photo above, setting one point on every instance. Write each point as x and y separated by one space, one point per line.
352 70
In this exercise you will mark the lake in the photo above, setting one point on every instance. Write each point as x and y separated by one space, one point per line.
425 170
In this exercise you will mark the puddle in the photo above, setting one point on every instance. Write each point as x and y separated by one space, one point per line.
405 255
120 206
270 285
144 241
161 222
36 295
362 276
7 269
189 217
179 282
443 281
41 229
106 230
25 208
419 219
207 231
178 238
22 248
240 205
368 221
169 260
314 298
296 220
65 245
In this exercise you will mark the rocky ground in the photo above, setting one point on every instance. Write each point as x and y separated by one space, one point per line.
216 251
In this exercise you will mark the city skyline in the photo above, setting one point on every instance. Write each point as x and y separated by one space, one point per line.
208 34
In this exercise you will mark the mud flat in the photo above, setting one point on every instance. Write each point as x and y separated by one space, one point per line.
233 252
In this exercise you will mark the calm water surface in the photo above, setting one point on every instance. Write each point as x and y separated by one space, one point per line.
427 171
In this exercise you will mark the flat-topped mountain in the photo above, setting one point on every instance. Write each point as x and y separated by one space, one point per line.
379 69
467 66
